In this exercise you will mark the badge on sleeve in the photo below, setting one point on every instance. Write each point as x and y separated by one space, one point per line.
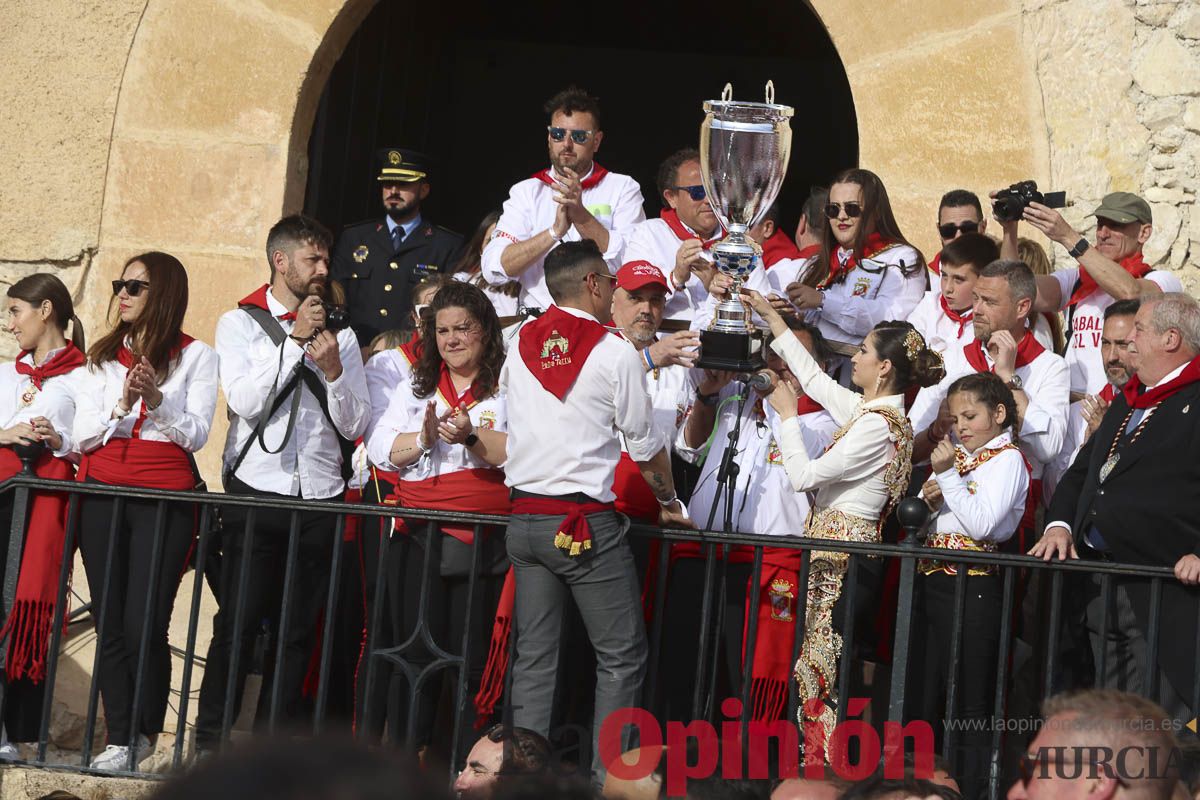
487 421
861 287
360 253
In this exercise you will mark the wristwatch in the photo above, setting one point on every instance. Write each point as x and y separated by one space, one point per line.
1015 383
708 399
1079 249
471 439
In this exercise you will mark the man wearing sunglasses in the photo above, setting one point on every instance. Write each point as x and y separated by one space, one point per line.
379 262
678 242
959 213
574 199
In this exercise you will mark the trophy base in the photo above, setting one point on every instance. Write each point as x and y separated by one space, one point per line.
731 352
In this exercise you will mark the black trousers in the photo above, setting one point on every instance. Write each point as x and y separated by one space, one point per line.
266 560
22 698
137 611
976 677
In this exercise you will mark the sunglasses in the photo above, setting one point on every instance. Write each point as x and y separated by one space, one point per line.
577 136
697 193
949 230
612 278
834 210
132 287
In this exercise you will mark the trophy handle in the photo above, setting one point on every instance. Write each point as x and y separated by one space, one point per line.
770 93
727 92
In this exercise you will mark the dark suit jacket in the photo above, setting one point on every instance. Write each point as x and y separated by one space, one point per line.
1147 511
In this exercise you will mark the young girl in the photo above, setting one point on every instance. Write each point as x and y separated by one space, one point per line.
978 493
145 403
37 408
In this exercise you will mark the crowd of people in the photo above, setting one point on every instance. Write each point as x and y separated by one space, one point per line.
546 370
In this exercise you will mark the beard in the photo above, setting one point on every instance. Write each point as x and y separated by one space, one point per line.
576 162
398 209
306 288
641 332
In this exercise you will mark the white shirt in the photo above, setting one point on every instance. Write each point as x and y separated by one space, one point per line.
987 502
55 401
505 305
764 501
615 202
406 414
184 416
776 278
1044 429
941 332
1072 444
654 241
849 477
310 464
874 291
672 390
386 373
558 447
1083 348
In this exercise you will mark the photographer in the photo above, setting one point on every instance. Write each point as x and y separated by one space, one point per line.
1111 270
296 394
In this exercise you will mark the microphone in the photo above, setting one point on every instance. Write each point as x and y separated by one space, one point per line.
761 381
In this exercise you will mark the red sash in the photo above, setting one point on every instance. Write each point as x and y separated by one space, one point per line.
963 318
1028 349
65 360
777 247
1190 374
671 217
491 687
28 624
774 602
635 499
935 265
139 462
598 174
555 346
574 533
1135 265
838 271
476 491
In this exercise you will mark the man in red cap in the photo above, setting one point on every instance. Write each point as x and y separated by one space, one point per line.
638 303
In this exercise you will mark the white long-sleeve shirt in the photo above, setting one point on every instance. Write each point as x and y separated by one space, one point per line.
654 241
184 416
849 477
55 401
387 372
874 291
310 464
562 447
615 202
987 502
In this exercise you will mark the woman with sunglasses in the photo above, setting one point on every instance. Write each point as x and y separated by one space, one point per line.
37 409
858 479
444 435
144 407
866 273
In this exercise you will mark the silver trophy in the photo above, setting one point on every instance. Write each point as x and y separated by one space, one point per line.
744 150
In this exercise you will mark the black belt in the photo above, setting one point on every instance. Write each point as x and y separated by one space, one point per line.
574 497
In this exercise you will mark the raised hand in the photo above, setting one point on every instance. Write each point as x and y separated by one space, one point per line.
678 348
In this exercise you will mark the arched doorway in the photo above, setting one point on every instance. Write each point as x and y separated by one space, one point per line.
466 84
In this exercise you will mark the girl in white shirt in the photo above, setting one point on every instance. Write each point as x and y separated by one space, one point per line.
144 406
978 493
37 408
857 480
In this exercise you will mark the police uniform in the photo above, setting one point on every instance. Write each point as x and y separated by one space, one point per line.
378 276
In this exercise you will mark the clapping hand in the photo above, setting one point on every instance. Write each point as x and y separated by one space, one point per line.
569 194
142 382
455 426
1093 408
429 427
44 431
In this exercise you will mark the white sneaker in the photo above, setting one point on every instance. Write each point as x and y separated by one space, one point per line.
115 758
9 752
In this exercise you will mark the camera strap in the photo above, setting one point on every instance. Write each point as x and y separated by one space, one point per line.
1069 331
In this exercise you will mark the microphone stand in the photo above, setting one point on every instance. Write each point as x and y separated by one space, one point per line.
726 483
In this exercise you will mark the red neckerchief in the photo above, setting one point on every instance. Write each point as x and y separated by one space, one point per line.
1108 393
1086 284
451 397
63 362
777 247
125 356
961 317
671 217
838 271
935 265
555 346
808 251
1152 397
806 405
598 174
411 350
1028 349
258 299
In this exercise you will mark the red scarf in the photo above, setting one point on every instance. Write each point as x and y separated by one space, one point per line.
1108 393
935 266
258 299
806 405
491 687
1028 349
777 247
65 360
1135 265
591 181
32 614
963 318
450 396
775 602
838 271
411 350
671 217
555 347
1152 397
126 359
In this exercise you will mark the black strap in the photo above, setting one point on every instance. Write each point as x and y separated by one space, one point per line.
1070 329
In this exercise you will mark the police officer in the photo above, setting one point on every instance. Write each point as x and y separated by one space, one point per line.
379 261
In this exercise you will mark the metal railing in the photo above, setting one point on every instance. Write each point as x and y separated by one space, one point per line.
1047 606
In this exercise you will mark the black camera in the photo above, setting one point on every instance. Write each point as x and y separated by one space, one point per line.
337 318
1010 203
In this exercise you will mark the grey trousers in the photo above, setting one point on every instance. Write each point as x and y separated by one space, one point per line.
604 585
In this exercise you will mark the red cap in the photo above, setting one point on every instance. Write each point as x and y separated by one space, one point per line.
636 274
